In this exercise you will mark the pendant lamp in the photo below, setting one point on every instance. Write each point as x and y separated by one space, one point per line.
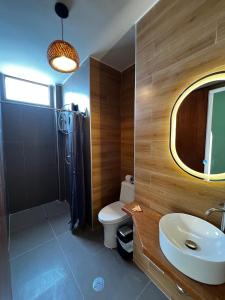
62 56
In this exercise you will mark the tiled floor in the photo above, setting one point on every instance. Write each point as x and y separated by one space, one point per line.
49 263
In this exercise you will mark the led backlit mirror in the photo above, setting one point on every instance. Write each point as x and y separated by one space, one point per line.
198 128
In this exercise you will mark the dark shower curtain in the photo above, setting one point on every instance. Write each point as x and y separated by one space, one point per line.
75 146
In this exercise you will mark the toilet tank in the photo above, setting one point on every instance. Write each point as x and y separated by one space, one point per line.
126 192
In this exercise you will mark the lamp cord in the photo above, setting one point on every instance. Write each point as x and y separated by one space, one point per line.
62 27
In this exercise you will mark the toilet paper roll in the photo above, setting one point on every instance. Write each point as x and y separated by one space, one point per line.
128 178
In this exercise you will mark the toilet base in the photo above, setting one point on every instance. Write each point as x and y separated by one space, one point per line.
110 231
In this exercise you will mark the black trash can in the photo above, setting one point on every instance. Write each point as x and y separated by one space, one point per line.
125 241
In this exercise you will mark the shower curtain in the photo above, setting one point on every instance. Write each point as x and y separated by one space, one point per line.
76 171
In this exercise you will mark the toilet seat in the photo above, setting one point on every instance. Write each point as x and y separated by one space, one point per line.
112 213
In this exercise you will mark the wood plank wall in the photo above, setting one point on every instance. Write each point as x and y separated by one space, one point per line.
105 135
127 121
177 43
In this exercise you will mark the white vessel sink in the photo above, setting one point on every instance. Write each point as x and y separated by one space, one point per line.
206 263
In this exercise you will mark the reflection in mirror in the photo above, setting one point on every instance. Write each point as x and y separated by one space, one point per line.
198 130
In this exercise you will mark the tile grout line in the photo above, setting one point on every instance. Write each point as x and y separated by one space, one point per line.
26 209
12 232
31 249
164 293
39 245
152 283
66 259
142 291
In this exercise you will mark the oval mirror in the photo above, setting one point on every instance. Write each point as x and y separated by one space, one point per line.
197 139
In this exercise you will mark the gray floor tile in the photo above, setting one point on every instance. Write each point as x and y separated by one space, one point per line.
39 267
42 274
89 259
152 293
103 265
25 240
121 280
60 223
132 280
26 218
56 208
84 243
92 240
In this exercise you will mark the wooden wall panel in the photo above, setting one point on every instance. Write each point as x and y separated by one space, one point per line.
105 135
177 43
127 121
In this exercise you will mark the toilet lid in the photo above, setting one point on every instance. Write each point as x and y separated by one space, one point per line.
112 213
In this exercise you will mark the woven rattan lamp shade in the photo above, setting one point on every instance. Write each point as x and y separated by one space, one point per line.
63 57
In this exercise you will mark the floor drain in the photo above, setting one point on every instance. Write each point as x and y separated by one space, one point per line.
98 284
191 245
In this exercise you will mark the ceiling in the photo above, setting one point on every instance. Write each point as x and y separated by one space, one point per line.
99 28
122 54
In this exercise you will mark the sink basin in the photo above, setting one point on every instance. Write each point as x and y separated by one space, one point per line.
194 246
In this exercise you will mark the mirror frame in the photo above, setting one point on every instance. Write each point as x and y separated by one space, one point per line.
218 76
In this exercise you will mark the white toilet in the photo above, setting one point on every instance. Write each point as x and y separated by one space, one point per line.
112 216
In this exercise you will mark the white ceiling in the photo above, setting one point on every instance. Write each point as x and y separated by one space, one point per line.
122 54
27 27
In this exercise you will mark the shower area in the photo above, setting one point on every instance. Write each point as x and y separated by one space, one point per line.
47 174
47 157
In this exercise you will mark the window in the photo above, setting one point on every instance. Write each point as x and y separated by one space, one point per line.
26 91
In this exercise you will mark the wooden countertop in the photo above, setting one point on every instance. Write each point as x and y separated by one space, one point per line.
147 228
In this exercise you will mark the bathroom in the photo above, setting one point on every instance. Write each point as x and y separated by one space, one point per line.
131 116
